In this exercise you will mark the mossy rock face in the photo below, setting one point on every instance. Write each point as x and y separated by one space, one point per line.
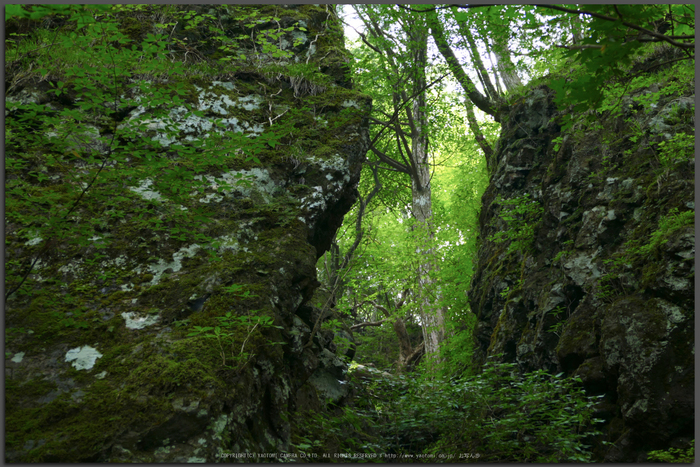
603 289
101 363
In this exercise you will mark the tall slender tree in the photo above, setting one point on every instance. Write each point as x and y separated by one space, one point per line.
402 50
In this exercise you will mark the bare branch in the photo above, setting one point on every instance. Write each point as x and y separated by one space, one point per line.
445 7
362 325
579 47
389 161
358 224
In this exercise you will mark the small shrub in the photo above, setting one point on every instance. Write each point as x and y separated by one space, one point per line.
507 417
674 456
679 148
522 215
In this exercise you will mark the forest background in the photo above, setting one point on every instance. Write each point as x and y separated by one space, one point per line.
399 269
440 113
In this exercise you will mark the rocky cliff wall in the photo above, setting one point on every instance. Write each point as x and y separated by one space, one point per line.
100 362
586 264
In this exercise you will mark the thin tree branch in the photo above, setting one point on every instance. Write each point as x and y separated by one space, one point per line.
446 7
626 23
362 325
359 232
474 95
389 161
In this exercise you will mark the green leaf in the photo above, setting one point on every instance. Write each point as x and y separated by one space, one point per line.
15 10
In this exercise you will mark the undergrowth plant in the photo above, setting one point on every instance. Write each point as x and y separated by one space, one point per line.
674 455
521 215
498 415
225 334
679 148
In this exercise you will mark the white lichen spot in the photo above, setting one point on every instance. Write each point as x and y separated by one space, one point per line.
144 191
18 357
101 375
227 242
119 261
218 425
246 182
70 267
673 313
334 163
422 200
211 197
34 241
226 85
347 104
176 264
162 450
315 201
134 321
212 101
249 103
83 358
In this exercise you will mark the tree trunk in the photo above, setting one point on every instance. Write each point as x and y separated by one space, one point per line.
491 93
407 354
509 75
479 100
432 319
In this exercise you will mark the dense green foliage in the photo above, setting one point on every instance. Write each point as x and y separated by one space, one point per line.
498 415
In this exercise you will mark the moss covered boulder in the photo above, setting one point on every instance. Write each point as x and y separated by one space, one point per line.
169 190
587 258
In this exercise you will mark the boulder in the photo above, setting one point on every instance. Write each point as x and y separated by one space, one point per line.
171 325
602 283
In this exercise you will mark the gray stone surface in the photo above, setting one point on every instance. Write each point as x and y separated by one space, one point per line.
142 390
621 281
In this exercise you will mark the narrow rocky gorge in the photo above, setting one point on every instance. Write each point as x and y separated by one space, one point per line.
162 300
